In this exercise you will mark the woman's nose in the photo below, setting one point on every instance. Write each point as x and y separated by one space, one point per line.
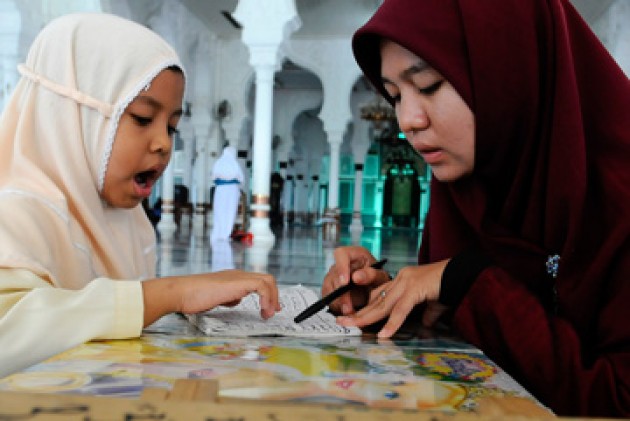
412 116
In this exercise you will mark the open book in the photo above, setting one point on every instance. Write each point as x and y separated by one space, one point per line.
245 320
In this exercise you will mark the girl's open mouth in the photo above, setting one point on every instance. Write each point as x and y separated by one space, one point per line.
145 181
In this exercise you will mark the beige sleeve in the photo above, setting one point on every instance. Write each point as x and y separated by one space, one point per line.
38 320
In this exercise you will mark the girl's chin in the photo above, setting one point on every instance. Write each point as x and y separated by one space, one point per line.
118 203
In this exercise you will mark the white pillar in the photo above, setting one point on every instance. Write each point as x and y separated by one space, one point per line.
165 256
332 214
285 187
261 164
167 225
357 225
314 198
257 257
202 130
10 25
334 139
360 146
288 199
266 26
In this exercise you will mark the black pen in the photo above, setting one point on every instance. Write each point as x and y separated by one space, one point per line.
318 305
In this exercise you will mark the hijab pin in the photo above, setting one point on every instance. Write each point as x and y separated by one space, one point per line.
146 88
553 264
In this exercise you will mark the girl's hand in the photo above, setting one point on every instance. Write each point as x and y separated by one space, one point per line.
196 293
352 262
413 285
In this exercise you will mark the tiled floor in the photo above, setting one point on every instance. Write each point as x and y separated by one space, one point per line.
299 254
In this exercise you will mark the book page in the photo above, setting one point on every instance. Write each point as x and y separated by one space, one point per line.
245 320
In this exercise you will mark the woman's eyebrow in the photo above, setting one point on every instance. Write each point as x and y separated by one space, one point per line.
406 74
416 68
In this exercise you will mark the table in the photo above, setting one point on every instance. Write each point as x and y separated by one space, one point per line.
438 373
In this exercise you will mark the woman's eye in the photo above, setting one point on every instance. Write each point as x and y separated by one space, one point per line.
142 121
431 89
172 131
394 96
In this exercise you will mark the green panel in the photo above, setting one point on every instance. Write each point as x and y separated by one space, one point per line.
402 189
346 166
369 198
324 170
346 196
371 167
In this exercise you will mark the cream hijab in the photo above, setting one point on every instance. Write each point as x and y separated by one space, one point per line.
56 136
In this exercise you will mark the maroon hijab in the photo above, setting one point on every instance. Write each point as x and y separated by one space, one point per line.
552 152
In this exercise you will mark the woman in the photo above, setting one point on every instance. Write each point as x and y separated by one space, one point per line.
522 115
84 137
228 177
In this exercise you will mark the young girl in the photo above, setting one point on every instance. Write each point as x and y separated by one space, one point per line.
83 139
523 117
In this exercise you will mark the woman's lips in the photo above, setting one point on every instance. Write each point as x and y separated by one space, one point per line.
432 156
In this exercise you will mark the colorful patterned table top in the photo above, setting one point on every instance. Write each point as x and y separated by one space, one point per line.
434 373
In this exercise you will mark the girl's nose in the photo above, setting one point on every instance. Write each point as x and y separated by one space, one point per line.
162 143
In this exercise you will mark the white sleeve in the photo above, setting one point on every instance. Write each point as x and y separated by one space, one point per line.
38 320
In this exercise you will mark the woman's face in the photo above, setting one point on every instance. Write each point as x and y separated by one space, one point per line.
142 147
435 119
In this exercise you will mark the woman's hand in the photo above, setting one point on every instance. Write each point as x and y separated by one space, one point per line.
352 262
196 293
413 285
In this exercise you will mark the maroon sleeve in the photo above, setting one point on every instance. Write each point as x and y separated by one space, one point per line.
543 351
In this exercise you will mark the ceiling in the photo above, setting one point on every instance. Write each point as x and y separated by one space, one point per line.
325 18
320 19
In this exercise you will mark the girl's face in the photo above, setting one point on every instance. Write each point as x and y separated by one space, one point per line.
434 118
142 147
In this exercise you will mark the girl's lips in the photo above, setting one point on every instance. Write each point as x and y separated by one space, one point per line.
144 181
143 189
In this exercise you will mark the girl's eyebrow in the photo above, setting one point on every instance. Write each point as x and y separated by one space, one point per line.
156 104
149 101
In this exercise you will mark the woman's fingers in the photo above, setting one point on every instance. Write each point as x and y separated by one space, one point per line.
379 307
370 276
332 281
396 299
400 310
347 260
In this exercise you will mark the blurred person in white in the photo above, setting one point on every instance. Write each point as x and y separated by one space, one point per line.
227 176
